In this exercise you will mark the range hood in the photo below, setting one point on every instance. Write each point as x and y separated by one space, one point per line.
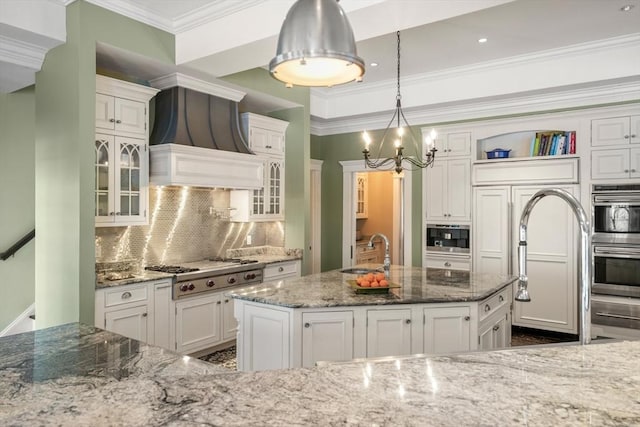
196 138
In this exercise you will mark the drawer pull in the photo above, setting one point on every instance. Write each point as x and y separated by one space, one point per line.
307 325
487 307
501 298
617 316
280 269
495 328
126 295
447 264
408 321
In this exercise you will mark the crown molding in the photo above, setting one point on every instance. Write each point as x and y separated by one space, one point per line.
21 53
209 12
477 109
182 80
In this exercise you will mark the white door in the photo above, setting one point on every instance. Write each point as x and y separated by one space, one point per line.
494 334
130 180
436 191
130 116
326 336
265 339
491 226
551 262
458 144
388 332
130 322
105 105
198 323
634 163
447 329
162 305
229 322
610 164
634 138
459 190
610 131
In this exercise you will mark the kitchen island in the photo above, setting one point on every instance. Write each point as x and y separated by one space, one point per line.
297 322
80 375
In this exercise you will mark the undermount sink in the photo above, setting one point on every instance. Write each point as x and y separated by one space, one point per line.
356 270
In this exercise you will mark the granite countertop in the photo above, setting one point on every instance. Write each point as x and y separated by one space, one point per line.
79 375
263 254
417 285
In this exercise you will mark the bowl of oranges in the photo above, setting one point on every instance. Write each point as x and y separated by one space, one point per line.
371 283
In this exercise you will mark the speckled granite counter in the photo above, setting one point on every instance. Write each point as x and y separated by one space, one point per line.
418 285
76 375
143 276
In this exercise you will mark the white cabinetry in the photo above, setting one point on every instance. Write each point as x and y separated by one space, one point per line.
388 332
365 254
448 182
267 139
138 311
615 153
327 336
552 255
447 261
281 270
494 333
198 323
264 340
121 157
447 329
362 196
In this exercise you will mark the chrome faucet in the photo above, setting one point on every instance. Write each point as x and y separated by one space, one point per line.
584 264
387 261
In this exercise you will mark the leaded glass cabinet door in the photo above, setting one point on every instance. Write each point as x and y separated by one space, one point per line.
130 181
104 203
275 184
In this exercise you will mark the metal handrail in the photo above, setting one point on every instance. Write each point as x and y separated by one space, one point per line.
19 244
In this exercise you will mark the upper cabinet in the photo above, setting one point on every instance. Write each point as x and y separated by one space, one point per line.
121 157
266 138
448 181
615 153
362 196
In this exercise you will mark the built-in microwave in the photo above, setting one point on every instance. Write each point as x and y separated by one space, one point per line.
448 238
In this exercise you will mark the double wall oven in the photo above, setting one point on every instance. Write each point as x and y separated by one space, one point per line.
616 255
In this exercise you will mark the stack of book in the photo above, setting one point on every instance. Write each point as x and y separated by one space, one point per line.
553 143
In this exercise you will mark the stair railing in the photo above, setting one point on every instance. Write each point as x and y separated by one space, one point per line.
16 246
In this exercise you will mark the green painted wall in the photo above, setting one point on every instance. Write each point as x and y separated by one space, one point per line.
333 149
64 155
297 177
17 201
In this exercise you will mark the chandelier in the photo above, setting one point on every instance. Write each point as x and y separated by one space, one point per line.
403 133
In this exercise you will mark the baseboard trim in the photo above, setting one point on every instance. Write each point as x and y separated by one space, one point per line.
19 323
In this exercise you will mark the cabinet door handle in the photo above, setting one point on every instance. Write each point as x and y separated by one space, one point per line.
467 318
118 121
447 264
495 328
218 302
117 213
144 314
500 298
633 170
626 170
226 301
633 135
267 146
408 321
126 295
626 137
307 325
112 213
487 307
111 120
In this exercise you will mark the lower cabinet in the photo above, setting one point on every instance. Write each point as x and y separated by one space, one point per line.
281 270
229 322
327 336
388 332
139 311
447 329
276 337
198 324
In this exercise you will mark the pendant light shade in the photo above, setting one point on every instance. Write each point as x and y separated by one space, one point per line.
316 46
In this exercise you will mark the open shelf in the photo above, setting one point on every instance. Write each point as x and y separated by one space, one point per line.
518 142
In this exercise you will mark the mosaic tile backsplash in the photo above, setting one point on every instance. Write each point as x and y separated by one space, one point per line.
185 224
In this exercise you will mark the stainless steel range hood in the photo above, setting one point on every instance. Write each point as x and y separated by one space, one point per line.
196 138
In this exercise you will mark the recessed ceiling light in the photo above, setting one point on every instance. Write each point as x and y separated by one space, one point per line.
626 8
374 64
483 40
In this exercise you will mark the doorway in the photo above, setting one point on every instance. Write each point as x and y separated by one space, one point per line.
387 201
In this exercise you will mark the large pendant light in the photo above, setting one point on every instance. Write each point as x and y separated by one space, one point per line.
316 46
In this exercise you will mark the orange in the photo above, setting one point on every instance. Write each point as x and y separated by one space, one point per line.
380 277
365 284
384 282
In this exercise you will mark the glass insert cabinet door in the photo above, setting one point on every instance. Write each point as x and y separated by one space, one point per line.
275 183
120 179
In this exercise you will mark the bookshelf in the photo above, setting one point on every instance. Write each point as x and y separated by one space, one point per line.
523 144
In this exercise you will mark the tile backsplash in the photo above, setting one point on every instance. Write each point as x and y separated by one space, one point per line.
185 224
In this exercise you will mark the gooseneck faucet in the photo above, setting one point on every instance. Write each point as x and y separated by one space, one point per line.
584 264
387 260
